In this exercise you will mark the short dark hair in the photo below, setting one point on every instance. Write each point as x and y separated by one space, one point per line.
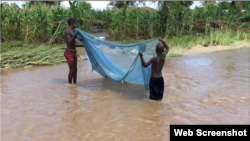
159 48
71 21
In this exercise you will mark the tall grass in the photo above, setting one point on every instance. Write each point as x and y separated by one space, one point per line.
141 23
42 23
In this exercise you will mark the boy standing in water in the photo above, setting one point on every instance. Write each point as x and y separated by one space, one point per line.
156 84
70 53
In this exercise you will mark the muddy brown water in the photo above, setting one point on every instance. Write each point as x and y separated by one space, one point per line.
210 88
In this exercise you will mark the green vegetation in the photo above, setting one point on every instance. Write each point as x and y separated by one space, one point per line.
38 22
174 18
34 33
183 43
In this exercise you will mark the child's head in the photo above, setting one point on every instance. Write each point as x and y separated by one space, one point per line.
72 22
159 48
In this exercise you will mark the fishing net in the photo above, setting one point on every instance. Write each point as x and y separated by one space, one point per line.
118 61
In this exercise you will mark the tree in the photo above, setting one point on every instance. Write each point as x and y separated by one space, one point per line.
14 5
121 4
50 3
240 5
224 5
208 3
245 4
164 9
233 5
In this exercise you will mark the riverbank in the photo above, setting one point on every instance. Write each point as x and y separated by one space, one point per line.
15 54
211 48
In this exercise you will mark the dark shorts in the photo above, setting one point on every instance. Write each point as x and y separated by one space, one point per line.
70 55
156 86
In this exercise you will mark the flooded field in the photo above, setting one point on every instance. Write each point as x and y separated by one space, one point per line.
209 88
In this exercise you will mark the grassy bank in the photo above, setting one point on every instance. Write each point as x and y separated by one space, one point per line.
180 45
16 54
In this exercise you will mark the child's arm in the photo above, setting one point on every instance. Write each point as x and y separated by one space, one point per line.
79 45
166 46
145 64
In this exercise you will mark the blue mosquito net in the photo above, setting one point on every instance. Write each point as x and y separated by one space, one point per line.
118 61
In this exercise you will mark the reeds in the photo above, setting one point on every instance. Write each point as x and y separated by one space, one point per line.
46 24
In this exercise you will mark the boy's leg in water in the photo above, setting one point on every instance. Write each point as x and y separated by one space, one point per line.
75 71
161 87
152 89
71 70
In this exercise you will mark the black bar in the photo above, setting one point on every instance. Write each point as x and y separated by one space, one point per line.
212 132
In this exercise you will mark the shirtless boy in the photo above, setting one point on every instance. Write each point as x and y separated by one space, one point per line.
156 84
70 53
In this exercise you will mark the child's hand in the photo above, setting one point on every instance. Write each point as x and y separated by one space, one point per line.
140 54
160 39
